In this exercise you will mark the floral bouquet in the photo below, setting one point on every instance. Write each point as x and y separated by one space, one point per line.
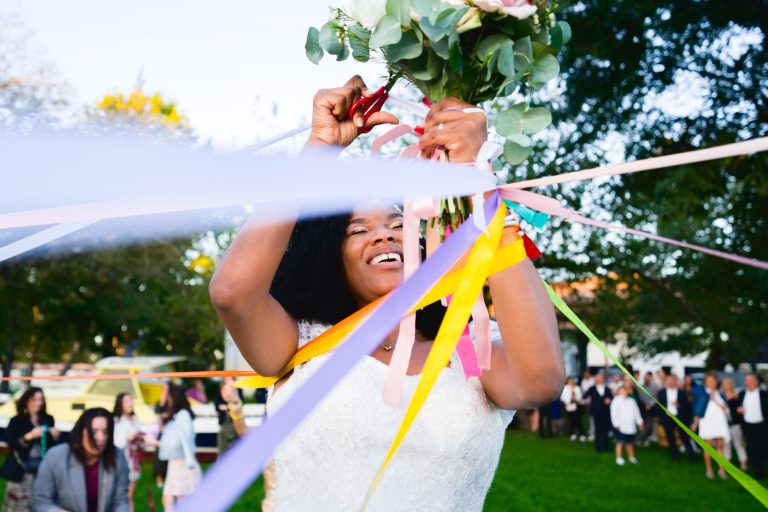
474 50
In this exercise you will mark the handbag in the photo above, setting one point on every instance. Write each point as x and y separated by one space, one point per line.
571 407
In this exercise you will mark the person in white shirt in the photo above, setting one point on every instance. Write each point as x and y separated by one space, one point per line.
626 419
572 399
754 411
127 437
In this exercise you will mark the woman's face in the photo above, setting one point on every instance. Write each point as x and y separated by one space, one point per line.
100 436
127 404
710 382
372 252
35 403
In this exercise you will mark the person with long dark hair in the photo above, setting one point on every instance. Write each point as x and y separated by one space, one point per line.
29 435
86 475
283 284
177 446
128 438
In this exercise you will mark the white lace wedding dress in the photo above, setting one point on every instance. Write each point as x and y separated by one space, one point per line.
446 462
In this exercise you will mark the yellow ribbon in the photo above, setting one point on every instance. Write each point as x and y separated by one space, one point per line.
754 488
474 274
504 257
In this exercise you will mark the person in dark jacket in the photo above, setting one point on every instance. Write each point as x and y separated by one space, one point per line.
29 435
600 397
754 421
86 475
675 400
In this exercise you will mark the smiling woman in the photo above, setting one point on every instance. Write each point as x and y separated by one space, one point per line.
280 286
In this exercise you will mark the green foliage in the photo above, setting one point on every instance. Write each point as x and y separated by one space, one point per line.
312 46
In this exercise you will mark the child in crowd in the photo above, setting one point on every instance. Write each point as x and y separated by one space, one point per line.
625 416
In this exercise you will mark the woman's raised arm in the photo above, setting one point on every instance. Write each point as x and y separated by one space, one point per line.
264 332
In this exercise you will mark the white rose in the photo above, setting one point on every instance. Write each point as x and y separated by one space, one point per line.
368 12
520 9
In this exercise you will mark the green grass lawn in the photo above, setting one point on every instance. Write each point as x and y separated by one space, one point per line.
559 475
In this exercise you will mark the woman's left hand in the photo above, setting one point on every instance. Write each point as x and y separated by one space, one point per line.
461 133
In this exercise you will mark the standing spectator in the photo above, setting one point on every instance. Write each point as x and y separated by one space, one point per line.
587 381
599 408
676 402
615 383
735 419
29 434
159 466
648 410
197 392
711 419
86 475
545 422
754 411
625 417
229 405
128 439
177 446
571 398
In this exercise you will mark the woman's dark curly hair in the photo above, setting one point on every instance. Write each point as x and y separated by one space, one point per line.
26 396
310 282
84 425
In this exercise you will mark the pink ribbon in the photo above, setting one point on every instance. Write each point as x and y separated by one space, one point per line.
553 207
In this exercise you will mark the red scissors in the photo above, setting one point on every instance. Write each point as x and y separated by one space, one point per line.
373 104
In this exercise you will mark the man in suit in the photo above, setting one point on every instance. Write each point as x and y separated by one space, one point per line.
677 403
600 409
753 407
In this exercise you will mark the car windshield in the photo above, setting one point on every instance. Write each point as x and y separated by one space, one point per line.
112 387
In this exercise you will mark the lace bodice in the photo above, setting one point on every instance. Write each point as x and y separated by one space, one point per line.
446 462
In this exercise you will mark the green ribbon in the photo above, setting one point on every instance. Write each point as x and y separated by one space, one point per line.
532 217
754 488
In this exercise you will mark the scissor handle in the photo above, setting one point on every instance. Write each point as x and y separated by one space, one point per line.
369 106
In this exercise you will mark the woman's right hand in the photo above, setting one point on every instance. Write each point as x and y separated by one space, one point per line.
330 124
34 433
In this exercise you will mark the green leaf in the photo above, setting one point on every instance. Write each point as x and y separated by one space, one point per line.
343 54
509 122
400 10
387 32
456 61
441 48
359 38
506 60
517 149
560 34
409 47
545 68
425 8
489 45
427 67
329 38
536 119
523 52
312 46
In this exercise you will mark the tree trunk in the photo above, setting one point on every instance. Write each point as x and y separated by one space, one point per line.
75 348
13 333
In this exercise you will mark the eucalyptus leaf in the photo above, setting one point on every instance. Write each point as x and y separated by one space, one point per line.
506 59
312 46
560 34
536 119
400 10
425 8
410 46
427 67
489 45
329 38
509 122
517 148
545 68
443 14
441 47
387 32
456 61
343 54
359 38
523 52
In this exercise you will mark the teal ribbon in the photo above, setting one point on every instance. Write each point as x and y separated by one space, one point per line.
532 217
44 441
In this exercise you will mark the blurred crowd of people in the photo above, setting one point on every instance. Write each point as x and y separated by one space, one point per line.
598 408
97 465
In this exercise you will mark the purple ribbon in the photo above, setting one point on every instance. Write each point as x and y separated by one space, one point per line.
226 480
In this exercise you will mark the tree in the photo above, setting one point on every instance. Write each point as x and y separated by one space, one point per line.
664 77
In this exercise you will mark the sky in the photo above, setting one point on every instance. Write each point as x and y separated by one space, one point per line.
226 64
